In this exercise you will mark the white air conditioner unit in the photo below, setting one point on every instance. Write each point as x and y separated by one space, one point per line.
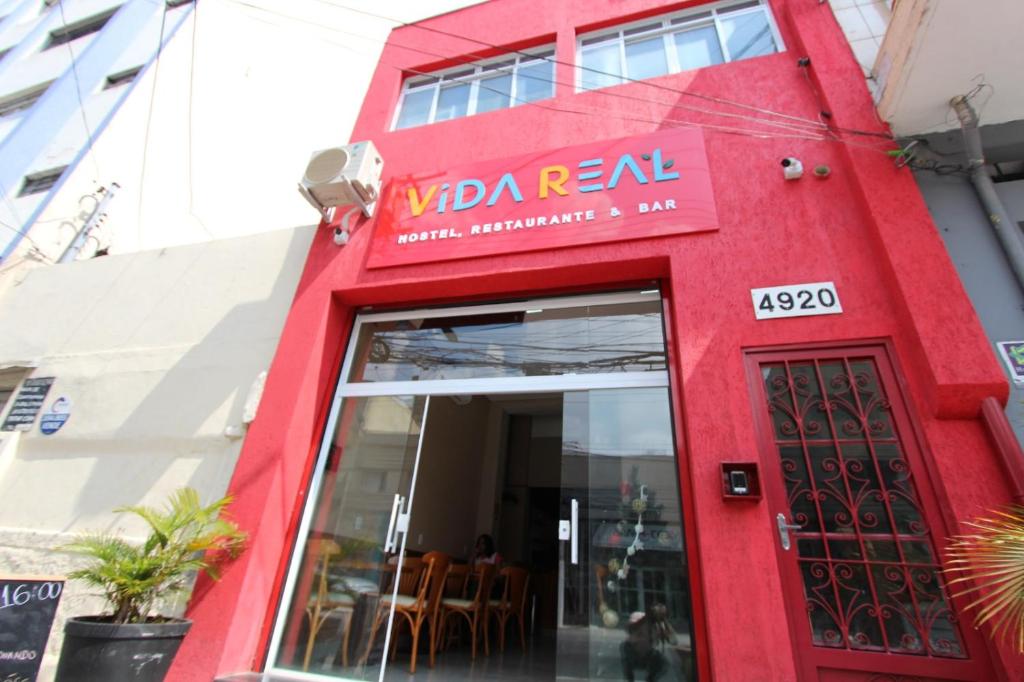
343 176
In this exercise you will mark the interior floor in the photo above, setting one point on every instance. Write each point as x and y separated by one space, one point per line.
456 665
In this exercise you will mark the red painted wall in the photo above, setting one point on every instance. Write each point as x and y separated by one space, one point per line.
865 227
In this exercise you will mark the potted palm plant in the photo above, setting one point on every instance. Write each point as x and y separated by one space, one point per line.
988 565
130 643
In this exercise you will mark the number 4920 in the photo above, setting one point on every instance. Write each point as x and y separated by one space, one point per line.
796 300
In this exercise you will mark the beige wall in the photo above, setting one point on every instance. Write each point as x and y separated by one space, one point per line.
448 485
157 352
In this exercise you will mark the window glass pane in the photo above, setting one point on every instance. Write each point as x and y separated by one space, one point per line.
344 566
628 594
646 58
601 66
494 93
505 65
415 108
698 47
421 80
642 29
458 74
599 39
741 6
624 337
748 35
535 82
690 18
453 102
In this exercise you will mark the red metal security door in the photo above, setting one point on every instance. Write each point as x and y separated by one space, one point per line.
857 522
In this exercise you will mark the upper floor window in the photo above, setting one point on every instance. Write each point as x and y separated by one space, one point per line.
121 77
42 181
22 100
471 89
65 34
677 42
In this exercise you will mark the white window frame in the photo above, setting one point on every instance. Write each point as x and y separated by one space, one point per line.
480 71
704 15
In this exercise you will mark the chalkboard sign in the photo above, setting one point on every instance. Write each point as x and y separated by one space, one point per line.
27 404
27 607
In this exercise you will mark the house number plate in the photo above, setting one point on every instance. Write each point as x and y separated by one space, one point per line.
796 300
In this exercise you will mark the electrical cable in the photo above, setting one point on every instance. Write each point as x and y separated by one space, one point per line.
799 133
78 92
149 120
580 67
15 213
188 146
817 128
31 241
818 134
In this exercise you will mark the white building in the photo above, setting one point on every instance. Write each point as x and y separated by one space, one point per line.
178 131
203 115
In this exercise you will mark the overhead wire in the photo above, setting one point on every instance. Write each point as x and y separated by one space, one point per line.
78 93
149 119
580 67
188 146
819 133
35 245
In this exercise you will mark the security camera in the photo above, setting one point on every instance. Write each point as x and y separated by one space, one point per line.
792 168
340 236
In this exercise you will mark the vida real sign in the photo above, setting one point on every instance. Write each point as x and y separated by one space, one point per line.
629 188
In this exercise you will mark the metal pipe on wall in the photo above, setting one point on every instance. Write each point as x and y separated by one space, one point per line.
1005 228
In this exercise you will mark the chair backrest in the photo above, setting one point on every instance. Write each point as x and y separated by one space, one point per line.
455 580
485 579
409 578
320 551
433 580
516 582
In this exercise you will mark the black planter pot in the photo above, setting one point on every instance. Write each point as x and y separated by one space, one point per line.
96 650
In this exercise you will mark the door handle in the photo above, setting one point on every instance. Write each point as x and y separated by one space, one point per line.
574 539
390 543
784 529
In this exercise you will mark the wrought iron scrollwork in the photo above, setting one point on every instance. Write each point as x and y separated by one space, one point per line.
850 486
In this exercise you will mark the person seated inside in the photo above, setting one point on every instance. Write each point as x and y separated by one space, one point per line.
484 551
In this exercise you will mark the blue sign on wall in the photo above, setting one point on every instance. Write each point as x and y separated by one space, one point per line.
59 412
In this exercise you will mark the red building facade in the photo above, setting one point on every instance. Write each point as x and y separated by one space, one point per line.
862 428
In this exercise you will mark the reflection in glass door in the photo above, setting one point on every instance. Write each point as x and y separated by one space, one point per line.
625 607
342 592
533 403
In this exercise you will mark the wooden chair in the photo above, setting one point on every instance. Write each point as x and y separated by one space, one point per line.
324 603
475 610
408 579
456 580
512 602
418 608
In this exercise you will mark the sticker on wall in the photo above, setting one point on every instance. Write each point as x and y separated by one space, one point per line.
608 191
27 404
56 416
1013 356
796 300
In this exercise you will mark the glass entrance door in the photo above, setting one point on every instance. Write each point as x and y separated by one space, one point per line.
625 605
597 362
345 577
